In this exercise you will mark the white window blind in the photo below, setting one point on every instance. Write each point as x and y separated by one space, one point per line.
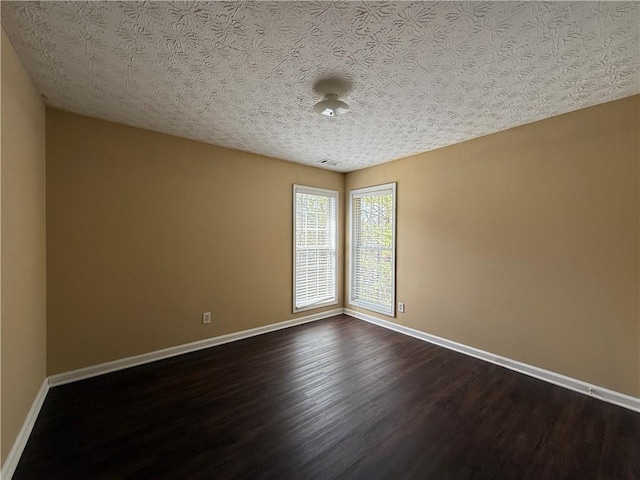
372 277
315 239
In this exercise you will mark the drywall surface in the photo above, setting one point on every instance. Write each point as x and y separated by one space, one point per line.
22 246
525 243
148 231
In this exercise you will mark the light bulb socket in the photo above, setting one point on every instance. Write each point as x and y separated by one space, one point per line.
331 106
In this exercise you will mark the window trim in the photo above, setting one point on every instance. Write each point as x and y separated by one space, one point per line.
336 196
362 192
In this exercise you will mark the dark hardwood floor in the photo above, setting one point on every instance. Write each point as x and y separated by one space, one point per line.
338 398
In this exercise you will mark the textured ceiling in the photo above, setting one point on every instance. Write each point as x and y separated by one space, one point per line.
423 74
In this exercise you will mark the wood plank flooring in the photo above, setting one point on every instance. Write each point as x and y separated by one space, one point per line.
333 399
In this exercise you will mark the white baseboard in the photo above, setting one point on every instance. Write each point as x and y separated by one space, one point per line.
600 393
10 464
121 364
595 391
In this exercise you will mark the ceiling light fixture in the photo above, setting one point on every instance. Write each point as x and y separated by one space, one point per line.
331 106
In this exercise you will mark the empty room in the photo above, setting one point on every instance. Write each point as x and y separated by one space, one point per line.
320 240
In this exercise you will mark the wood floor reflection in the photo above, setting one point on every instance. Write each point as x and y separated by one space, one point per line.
333 399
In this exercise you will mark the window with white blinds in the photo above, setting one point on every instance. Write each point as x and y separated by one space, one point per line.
315 238
373 237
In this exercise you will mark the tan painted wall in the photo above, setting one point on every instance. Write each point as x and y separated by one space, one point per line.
525 243
23 245
147 231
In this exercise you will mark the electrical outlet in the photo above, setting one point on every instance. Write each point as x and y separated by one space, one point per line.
206 317
401 307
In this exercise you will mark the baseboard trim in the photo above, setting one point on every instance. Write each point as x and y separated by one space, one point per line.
595 391
10 464
128 362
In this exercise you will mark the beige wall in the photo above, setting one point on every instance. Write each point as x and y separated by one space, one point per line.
23 245
147 231
525 243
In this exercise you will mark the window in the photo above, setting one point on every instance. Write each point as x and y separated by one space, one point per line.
373 238
315 238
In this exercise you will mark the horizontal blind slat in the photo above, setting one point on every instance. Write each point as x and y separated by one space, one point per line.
315 247
372 248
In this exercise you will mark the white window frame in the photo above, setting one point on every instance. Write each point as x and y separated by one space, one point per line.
326 193
363 192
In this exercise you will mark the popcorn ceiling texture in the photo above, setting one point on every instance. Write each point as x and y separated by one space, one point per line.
241 75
